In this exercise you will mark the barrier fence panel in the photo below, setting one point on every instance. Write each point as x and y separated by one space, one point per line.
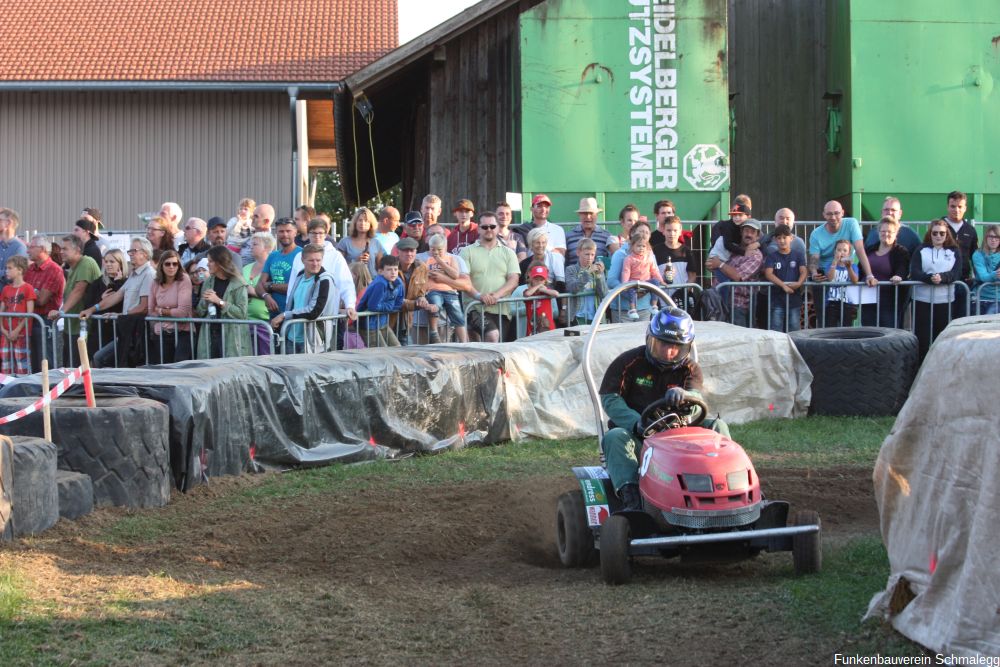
988 299
752 304
526 315
829 304
23 343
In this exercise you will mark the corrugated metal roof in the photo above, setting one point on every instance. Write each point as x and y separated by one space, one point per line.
193 40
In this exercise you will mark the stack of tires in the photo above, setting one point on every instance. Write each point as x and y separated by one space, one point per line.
115 454
858 371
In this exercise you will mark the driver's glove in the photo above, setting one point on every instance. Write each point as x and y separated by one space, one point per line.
674 397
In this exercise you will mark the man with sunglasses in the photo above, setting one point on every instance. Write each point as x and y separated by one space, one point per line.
195 245
277 272
414 222
495 273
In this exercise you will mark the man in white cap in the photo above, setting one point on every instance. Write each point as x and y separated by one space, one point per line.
587 229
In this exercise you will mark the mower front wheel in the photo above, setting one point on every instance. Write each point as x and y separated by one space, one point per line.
616 534
574 538
807 549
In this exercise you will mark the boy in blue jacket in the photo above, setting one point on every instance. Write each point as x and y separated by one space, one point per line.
383 296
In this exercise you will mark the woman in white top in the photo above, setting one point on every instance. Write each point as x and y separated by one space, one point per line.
938 264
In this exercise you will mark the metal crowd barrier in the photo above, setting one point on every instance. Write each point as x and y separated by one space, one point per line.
64 339
992 306
15 358
565 309
686 295
335 333
815 297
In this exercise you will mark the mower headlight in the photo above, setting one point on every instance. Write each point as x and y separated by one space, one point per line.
738 480
698 483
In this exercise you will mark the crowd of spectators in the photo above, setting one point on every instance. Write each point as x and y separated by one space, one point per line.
413 277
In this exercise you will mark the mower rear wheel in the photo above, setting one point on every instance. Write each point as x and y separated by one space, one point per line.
574 538
616 533
807 550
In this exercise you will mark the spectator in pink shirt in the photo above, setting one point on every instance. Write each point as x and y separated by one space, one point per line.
170 296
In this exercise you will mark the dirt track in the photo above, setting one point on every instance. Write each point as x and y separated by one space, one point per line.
452 574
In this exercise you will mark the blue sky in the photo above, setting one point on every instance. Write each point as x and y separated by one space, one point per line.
418 16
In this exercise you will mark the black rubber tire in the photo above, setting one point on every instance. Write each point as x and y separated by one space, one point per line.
858 371
616 533
36 498
122 444
574 538
76 494
807 549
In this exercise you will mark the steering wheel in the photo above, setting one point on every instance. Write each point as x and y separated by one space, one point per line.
658 417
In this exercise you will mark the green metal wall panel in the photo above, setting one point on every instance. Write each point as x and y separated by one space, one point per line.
626 97
921 100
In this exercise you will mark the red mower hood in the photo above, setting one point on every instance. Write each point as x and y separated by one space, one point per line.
695 469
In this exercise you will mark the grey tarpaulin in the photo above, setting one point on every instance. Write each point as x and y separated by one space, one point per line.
937 492
317 408
320 408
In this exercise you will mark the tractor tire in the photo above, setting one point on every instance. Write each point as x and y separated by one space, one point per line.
616 534
858 371
574 538
6 489
122 444
36 497
76 494
807 549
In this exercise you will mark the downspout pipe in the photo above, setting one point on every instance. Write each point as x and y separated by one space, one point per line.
293 98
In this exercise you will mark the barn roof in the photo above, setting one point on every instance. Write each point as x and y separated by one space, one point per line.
193 40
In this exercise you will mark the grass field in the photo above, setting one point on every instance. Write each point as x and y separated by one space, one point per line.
442 559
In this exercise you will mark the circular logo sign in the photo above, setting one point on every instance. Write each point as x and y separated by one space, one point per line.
706 167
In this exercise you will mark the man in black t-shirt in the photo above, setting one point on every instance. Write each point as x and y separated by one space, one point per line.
662 368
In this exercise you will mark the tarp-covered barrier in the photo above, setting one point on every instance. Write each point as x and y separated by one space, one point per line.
937 492
749 374
320 408
350 406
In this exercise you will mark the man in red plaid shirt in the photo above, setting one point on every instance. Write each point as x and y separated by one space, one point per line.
49 282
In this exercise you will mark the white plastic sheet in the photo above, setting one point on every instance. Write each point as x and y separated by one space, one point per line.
749 374
937 492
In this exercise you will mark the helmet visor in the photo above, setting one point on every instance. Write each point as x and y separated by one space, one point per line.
668 354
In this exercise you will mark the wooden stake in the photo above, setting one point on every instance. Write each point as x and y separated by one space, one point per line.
46 411
88 384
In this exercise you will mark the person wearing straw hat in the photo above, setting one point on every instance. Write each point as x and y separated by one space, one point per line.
587 229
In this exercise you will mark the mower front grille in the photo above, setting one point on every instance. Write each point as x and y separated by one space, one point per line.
701 519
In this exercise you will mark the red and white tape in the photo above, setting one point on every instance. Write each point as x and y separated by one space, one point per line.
57 391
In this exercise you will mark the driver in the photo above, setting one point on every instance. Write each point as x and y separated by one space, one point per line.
662 368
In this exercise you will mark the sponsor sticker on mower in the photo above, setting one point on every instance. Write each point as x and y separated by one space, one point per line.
596 501
597 514
590 472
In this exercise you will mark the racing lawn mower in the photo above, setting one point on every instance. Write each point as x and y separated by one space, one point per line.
701 497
